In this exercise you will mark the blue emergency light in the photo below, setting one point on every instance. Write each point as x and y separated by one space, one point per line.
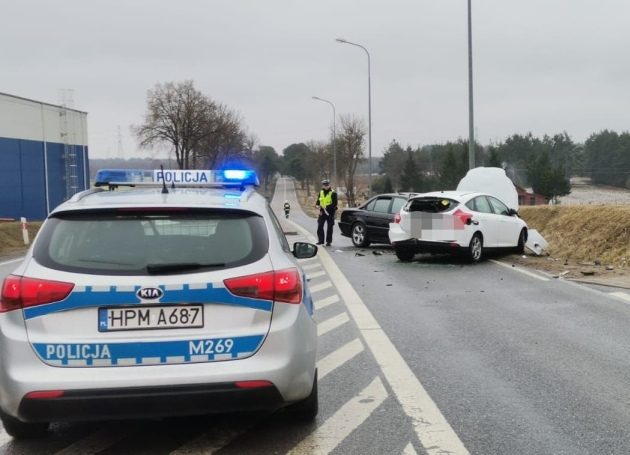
242 176
106 176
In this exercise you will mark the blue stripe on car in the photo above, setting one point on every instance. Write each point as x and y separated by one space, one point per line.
195 350
91 298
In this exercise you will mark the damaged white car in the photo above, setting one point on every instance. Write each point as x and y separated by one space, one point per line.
482 214
456 222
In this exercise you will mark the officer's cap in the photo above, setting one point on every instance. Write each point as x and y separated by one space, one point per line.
325 182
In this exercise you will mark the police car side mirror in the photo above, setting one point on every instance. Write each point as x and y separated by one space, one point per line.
303 250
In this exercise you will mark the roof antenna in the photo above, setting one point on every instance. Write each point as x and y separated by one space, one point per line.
164 189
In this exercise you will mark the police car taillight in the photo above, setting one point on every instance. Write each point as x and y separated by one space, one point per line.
22 292
281 286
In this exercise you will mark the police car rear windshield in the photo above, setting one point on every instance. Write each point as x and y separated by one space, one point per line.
431 204
148 242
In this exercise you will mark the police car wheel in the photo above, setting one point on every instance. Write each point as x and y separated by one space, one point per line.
23 430
306 410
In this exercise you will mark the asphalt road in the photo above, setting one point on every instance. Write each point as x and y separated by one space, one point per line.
433 356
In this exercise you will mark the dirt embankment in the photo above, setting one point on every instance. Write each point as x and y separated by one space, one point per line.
584 233
11 242
588 243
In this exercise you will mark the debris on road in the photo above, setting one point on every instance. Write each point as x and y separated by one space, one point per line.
376 253
536 242
587 272
359 254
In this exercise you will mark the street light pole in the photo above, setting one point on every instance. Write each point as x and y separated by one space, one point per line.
334 137
341 40
471 122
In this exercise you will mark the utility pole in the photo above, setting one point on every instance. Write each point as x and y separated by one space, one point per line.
471 121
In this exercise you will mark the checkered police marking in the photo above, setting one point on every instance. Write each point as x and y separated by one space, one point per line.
149 353
93 296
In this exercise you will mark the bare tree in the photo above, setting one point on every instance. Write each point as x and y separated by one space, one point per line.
224 137
350 152
176 116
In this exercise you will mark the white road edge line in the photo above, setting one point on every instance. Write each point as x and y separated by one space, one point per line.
11 261
323 303
332 323
4 437
518 269
621 295
337 358
409 450
343 422
93 443
434 432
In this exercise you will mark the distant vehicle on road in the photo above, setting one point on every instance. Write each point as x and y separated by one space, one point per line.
369 223
456 222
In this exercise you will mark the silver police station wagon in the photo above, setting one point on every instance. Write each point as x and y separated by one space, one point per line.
178 297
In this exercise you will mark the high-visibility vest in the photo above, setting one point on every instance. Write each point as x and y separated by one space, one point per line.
325 199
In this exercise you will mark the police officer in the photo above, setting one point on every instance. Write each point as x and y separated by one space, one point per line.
327 203
287 208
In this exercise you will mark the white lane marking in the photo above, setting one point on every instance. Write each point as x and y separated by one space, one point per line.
320 287
337 358
409 450
343 422
518 269
212 441
310 276
11 261
622 295
312 266
434 432
332 323
323 303
94 443
307 261
4 437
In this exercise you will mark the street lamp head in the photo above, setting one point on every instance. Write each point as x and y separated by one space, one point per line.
341 40
315 97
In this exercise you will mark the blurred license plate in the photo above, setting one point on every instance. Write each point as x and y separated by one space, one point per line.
150 317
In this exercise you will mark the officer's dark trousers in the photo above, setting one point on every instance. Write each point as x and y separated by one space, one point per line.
323 219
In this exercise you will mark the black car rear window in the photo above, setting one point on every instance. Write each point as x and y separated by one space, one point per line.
431 204
125 242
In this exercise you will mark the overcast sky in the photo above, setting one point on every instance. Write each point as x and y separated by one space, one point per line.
544 66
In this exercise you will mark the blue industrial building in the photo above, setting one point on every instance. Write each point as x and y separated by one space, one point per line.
43 156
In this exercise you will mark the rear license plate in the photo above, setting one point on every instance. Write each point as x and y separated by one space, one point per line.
150 317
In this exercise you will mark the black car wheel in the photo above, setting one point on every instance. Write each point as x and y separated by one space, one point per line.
404 254
359 235
23 430
522 239
475 248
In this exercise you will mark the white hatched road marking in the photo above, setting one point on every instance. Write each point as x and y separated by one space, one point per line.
212 441
409 450
4 437
310 276
323 303
320 287
434 432
94 443
343 422
337 358
622 295
518 269
307 261
332 323
312 266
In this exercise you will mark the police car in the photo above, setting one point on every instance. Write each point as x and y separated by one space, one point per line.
158 300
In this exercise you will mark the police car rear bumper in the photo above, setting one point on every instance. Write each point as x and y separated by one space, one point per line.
286 359
143 402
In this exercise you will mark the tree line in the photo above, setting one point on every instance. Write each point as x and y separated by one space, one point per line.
203 133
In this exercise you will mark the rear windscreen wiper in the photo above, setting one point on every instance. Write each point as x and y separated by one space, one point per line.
179 267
